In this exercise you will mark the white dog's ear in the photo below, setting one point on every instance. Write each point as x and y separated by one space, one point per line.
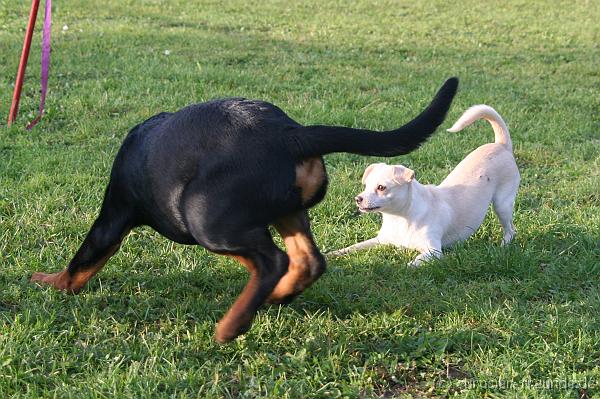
369 170
402 173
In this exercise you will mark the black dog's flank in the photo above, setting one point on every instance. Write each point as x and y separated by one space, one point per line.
217 174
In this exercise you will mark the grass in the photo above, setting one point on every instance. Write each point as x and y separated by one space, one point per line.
520 321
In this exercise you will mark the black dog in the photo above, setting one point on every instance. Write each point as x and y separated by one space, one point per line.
218 174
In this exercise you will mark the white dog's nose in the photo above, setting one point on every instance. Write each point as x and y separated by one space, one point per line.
358 199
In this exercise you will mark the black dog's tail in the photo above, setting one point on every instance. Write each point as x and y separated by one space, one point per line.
320 140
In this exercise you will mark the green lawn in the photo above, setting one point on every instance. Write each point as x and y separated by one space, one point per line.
521 321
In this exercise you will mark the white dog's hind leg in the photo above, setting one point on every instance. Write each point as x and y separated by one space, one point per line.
356 247
504 208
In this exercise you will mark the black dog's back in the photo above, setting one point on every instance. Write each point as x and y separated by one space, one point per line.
195 158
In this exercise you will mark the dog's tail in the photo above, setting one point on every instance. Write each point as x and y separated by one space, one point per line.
488 113
320 140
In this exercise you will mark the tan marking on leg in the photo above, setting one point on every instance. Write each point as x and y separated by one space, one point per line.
60 280
310 176
244 261
64 281
239 317
306 264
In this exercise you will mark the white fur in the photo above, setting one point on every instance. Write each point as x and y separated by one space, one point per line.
427 217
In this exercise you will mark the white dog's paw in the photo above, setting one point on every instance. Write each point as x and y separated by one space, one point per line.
507 239
425 257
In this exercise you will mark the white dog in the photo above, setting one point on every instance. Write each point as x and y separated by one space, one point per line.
427 217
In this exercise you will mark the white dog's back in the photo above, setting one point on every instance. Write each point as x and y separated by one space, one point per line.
488 159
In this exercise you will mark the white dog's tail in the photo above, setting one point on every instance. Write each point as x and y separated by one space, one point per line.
488 113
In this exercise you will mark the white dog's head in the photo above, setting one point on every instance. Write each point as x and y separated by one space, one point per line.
387 188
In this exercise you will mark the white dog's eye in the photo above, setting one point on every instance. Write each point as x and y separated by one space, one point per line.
380 188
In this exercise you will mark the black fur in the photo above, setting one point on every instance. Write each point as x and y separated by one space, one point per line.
218 174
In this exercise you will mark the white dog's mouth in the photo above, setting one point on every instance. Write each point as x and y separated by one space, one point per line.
371 209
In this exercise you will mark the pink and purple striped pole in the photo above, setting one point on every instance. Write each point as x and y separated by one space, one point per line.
14 107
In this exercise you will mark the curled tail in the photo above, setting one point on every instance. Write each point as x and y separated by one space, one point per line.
488 113
307 141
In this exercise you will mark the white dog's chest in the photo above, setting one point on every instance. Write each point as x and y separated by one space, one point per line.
398 231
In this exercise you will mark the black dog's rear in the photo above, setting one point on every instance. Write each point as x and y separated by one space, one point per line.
218 174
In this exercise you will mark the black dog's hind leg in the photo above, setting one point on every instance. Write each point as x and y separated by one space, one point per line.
101 242
306 265
266 264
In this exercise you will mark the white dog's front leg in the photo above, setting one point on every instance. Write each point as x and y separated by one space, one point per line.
356 247
427 256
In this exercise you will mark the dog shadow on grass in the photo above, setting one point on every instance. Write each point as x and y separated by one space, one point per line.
370 301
